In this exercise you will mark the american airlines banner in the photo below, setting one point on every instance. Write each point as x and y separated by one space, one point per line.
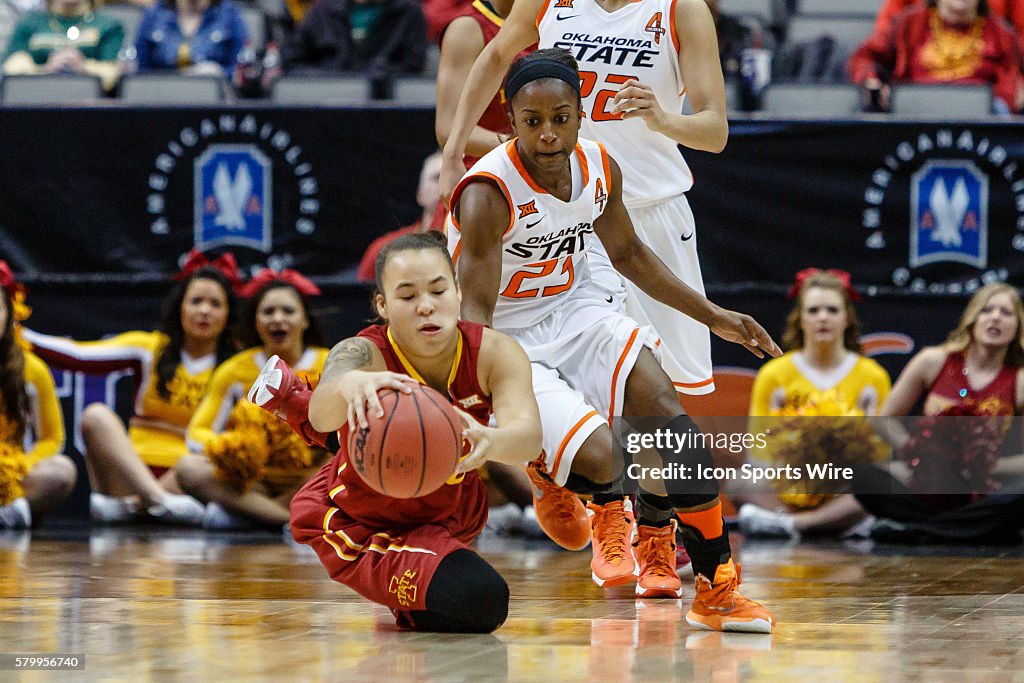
118 190
914 207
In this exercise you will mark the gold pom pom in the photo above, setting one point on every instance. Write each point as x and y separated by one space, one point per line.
255 444
13 468
818 429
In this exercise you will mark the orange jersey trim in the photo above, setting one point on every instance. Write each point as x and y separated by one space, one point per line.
618 367
568 437
695 385
606 166
542 12
457 192
672 22
583 163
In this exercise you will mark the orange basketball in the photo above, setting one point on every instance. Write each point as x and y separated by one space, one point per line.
412 449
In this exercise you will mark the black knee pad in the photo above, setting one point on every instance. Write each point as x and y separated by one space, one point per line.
585 487
466 595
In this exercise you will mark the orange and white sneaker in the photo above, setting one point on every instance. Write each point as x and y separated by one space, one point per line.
560 513
718 605
612 529
655 552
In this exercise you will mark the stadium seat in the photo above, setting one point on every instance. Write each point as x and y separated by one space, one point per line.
416 91
128 15
172 88
338 89
862 8
53 89
812 100
762 9
947 101
848 30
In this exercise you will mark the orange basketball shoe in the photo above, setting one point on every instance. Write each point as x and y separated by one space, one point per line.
612 530
718 605
655 551
560 513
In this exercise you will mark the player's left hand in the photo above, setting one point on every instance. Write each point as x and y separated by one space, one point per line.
636 99
480 441
740 328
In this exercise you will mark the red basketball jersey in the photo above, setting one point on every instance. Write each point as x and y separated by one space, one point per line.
998 397
495 117
371 508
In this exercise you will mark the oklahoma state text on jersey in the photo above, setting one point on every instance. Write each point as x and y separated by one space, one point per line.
637 41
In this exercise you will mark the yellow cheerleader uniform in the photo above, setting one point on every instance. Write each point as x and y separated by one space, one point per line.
157 427
789 387
223 411
44 433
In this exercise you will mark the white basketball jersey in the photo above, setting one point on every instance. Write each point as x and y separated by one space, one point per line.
543 255
637 41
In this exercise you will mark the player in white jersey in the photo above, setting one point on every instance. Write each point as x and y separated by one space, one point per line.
633 74
634 79
520 221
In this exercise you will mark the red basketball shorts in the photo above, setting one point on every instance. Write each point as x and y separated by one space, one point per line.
392 567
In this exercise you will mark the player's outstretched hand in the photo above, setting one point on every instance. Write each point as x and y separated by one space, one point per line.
480 439
740 328
359 389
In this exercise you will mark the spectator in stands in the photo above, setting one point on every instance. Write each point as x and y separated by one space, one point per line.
821 374
426 197
197 37
943 41
954 482
1011 10
745 51
377 37
69 37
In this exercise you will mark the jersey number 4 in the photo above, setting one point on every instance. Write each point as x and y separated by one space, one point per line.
515 290
588 80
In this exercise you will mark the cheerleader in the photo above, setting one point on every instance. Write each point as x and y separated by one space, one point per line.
130 469
34 476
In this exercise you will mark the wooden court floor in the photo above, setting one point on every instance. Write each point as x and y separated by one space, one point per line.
162 605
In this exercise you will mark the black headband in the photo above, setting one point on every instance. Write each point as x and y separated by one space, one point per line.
541 67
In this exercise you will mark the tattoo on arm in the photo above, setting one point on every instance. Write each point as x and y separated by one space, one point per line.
350 354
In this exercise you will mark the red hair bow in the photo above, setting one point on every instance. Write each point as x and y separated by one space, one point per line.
841 275
288 276
7 279
225 263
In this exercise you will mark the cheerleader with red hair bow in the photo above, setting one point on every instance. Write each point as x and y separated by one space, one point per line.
246 464
822 375
130 468
34 476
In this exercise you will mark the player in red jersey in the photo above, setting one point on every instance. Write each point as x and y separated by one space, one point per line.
411 555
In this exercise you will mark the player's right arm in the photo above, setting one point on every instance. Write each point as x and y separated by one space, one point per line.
507 377
353 374
462 43
484 215
517 33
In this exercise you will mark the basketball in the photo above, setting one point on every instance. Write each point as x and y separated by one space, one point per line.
412 449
